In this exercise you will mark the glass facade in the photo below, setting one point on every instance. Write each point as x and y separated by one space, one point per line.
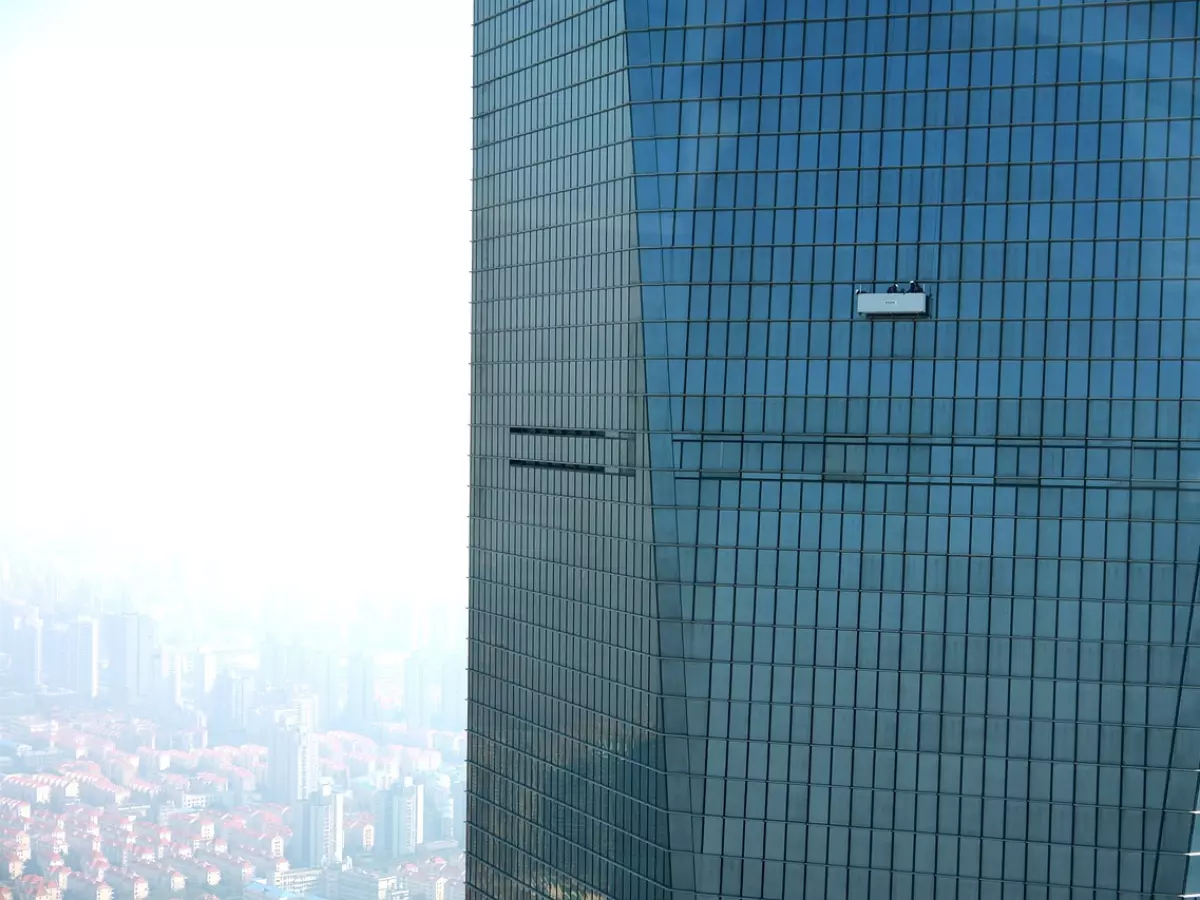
770 600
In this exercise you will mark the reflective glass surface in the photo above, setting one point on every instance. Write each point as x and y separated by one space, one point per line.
771 600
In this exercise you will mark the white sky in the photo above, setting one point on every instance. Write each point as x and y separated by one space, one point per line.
234 291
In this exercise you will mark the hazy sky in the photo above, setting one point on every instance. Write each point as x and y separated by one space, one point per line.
234 289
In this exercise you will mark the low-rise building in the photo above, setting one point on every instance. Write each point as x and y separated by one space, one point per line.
14 809
200 873
427 887
304 880
234 870
21 787
356 884
34 887
161 876
128 885
84 888
268 869
12 865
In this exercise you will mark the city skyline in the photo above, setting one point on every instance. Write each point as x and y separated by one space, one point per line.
129 765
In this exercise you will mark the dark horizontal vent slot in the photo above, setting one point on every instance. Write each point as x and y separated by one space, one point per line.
1018 481
565 467
562 432
569 467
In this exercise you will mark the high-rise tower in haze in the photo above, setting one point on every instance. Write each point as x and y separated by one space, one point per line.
293 764
71 656
320 673
771 598
321 835
400 820
129 640
26 653
232 699
360 707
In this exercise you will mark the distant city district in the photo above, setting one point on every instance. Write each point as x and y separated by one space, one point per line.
131 770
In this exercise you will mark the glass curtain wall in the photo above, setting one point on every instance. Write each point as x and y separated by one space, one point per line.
904 606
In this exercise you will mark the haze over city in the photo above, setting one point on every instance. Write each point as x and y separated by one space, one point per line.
233 262
234 257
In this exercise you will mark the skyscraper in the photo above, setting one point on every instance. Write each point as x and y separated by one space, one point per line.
204 676
85 673
322 834
232 700
360 691
167 680
399 820
129 639
71 656
416 707
773 599
58 650
26 651
320 673
293 764
273 659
